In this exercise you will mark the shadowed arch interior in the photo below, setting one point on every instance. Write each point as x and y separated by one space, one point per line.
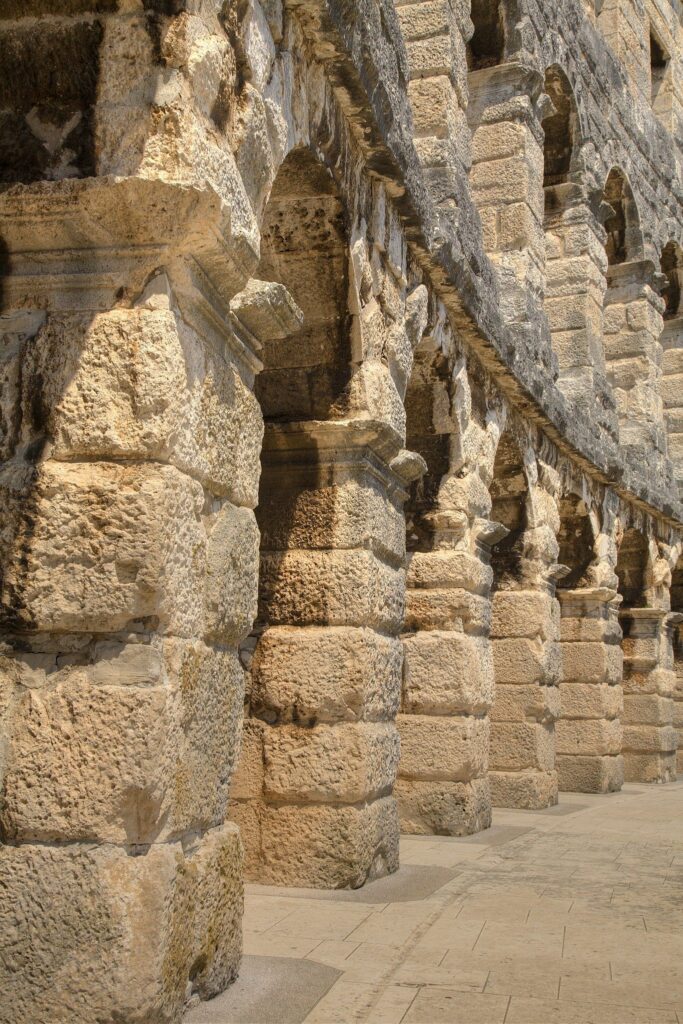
509 493
624 240
631 568
559 127
576 542
672 268
486 48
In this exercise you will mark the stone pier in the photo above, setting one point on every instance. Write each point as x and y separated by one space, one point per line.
589 732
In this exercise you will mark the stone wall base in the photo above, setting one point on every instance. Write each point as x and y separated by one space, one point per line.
444 808
590 773
531 791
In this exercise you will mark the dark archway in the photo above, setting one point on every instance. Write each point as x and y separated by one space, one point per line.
672 267
632 567
486 48
559 127
624 238
577 542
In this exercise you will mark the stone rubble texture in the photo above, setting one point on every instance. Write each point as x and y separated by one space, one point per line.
341 410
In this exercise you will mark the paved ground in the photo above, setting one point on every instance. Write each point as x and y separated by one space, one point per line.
567 916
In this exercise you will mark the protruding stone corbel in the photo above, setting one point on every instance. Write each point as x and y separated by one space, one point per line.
408 466
267 311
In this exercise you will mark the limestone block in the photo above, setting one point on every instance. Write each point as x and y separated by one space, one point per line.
591 662
495 141
526 661
516 702
451 749
130 763
343 763
590 774
297 510
231 581
328 847
447 672
326 675
654 767
519 745
648 709
139 383
588 736
529 790
591 629
589 700
449 608
449 568
524 614
430 99
649 739
335 588
91 932
443 808
97 546
425 19
248 777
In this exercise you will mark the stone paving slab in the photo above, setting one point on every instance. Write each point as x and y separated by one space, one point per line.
550 918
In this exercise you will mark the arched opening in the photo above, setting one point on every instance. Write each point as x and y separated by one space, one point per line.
577 543
304 247
311 810
672 356
522 752
509 495
631 568
622 226
486 48
559 127
672 267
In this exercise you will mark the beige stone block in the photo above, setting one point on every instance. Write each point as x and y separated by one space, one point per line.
248 777
437 749
526 661
443 808
428 57
590 773
331 588
519 745
350 674
231 581
448 568
450 608
648 709
528 790
125 763
93 932
139 383
518 227
494 141
524 614
328 847
591 662
297 510
99 546
446 672
515 702
429 101
591 700
588 736
652 767
343 763
425 19
649 738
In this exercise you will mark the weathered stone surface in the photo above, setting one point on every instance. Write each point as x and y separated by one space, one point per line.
93 930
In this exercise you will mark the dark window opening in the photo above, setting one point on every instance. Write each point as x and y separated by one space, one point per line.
487 46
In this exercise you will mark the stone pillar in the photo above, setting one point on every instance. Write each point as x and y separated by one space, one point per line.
672 393
589 731
129 577
314 792
525 634
507 104
447 684
575 288
633 354
650 740
678 695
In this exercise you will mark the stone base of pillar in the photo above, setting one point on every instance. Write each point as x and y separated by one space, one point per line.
590 773
528 790
101 934
444 808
